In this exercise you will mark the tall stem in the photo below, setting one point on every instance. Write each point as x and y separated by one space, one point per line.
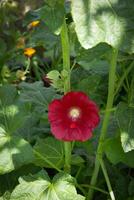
66 68
111 87
107 180
66 55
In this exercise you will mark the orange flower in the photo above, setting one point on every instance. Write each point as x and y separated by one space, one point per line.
34 24
29 52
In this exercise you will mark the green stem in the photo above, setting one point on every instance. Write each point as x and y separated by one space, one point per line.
67 149
107 179
111 87
66 55
126 78
28 66
123 77
81 189
78 172
95 188
66 67
36 70
130 92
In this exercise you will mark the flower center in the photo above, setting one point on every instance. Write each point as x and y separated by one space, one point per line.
74 113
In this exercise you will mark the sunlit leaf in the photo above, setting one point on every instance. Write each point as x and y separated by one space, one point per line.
14 152
39 186
125 118
104 21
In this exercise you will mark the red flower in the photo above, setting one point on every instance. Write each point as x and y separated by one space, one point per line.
73 117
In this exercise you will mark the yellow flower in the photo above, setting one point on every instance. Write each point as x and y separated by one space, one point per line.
29 52
34 24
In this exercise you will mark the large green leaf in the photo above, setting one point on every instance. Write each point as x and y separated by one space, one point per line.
47 151
6 196
39 187
37 94
95 59
8 94
12 116
115 153
43 37
95 85
14 152
125 118
109 21
52 14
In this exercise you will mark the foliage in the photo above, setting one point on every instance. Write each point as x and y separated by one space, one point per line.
32 161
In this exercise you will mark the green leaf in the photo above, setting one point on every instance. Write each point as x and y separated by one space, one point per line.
14 152
77 160
53 16
37 94
53 3
125 118
7 91
93 85
56 81
131 188
11 118
114 152
6 196
104 21
43 37
2 47
95 59
37 187
49 150
53 75
121 186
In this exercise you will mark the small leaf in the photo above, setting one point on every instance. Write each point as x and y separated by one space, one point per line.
55 78
125 118
53 75
39 187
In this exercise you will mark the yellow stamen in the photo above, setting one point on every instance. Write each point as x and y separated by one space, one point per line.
74 113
